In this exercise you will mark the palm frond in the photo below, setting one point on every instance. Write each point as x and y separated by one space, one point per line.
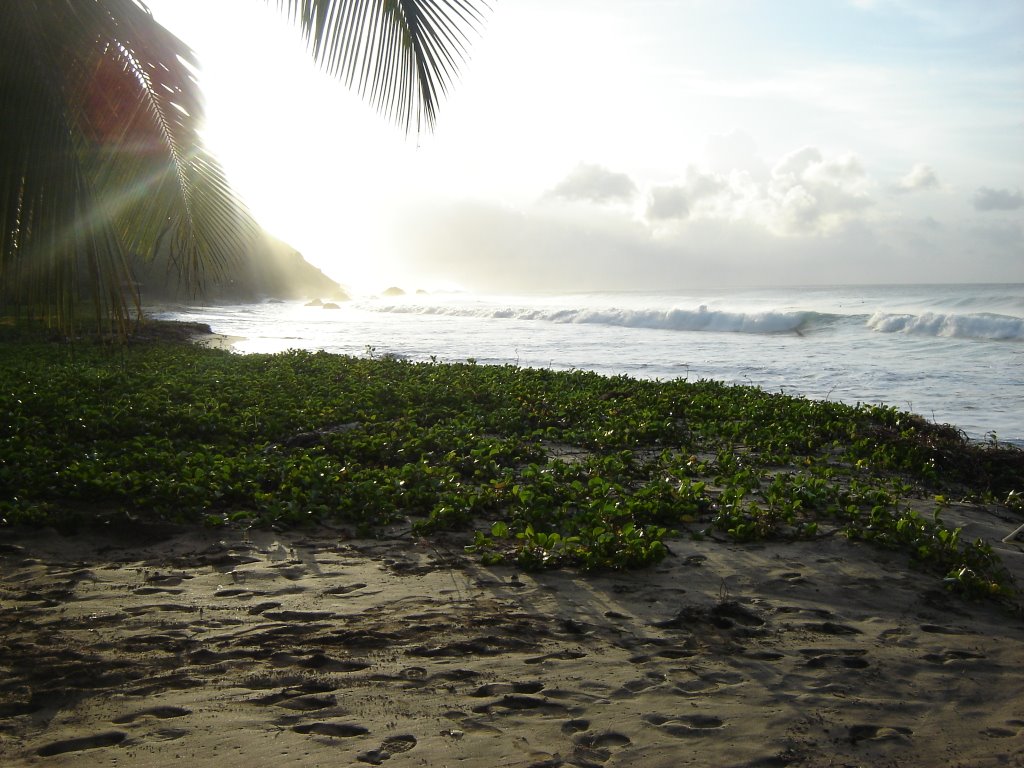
401 55
100 158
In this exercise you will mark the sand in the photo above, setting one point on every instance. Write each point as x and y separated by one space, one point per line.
154 646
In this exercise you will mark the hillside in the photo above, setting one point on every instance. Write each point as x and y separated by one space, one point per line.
271 269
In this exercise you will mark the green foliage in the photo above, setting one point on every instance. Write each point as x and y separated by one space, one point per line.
545 469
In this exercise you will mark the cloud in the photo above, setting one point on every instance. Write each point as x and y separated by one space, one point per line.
667 203
795 164
811 194
595 183
805 193
988 199
700 185
676 201
920 179
544 247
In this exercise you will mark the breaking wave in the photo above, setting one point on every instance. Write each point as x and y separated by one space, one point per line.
675 319
984 325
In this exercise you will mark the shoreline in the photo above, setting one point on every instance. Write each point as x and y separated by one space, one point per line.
217 340
910 370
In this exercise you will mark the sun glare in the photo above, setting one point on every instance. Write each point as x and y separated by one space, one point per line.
312 161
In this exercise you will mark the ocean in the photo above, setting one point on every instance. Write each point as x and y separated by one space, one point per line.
952 353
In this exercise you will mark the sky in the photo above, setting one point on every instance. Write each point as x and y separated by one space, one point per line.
642 145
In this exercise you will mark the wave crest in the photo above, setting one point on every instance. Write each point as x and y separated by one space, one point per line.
983 325
676 319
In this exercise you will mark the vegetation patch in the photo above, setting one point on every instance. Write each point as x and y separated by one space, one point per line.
542 468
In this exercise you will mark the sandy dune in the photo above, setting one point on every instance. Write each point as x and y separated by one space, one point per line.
150 647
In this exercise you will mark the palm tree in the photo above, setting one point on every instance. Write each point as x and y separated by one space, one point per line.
100 157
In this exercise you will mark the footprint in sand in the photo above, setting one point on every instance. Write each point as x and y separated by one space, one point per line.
309 702
871 732
168 579
298 616
633 687
233 592
665 653
290 571
392 745
686 726
998 733
1016 727
498 689
952 656
413 673
708 681
789 577
556 656
338 730
937 629
160 713
263 607
575 726
729 615
593 748
519 703
107 739
344 589
764 655
324 663
160 608
852 658
831 628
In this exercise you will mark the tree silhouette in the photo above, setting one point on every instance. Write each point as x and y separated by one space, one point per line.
100 156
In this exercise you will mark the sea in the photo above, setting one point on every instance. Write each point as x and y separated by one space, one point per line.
953 354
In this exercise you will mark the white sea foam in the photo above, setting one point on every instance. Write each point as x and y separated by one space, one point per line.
675 319
982 325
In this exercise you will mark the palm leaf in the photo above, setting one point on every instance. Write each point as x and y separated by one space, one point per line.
100 158
401 55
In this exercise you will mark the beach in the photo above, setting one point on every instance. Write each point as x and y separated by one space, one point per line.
660 405
312 560
160 644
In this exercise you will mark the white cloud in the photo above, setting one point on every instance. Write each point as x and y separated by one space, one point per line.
596 184
814 194
806 193
813 232
799 210
796 163
920 178
988 199
700 185
676 201
668 203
